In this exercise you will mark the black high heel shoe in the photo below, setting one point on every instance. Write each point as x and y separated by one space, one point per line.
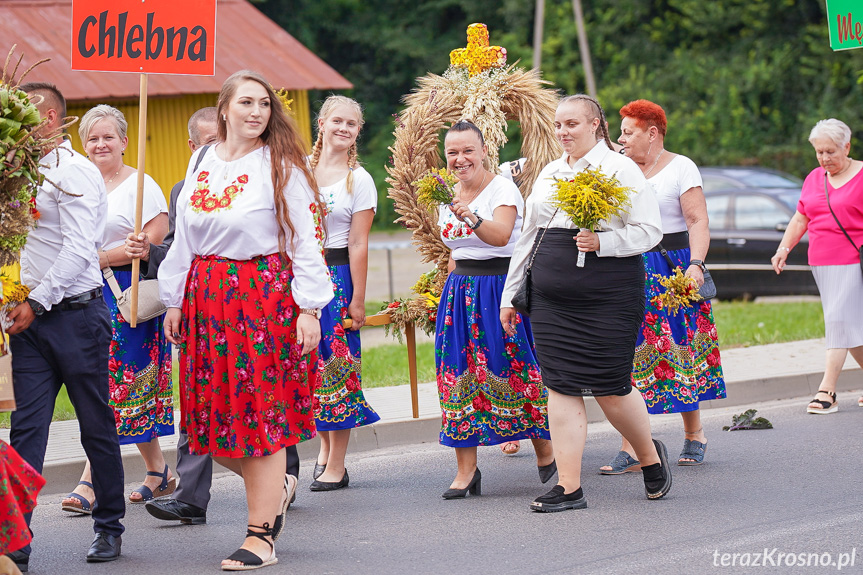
475 488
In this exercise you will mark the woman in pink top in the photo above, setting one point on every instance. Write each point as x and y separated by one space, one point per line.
832 199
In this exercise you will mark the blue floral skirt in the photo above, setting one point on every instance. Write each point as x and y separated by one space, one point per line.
677 361
339 402
139 364
489 384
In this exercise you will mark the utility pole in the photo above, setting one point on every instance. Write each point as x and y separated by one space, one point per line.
538 24
583 47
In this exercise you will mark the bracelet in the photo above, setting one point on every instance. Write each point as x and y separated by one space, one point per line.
783 248
107 259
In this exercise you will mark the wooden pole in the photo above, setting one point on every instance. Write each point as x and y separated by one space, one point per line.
412 368
139 200
538 26
584 47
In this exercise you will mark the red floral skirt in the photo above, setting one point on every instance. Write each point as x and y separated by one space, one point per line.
19 485
245 389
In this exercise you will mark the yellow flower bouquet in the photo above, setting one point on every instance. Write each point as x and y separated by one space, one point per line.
680 291
590 198
436 187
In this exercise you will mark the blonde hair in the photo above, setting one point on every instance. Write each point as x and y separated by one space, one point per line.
327 109
99 113
287 151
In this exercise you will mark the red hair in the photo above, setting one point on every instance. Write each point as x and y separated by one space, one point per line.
646 114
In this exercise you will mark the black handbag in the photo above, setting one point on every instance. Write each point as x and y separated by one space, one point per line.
708 288
838 223
521 299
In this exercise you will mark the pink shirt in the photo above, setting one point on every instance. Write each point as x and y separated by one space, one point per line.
828 246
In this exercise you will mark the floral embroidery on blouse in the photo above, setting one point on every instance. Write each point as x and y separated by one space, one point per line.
456 232
203 201
319 227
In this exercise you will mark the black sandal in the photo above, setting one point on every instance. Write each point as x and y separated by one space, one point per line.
249 560
826 406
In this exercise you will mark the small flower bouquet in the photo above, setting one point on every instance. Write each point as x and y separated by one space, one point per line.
589 198
436 188
422 309
13 292
680 291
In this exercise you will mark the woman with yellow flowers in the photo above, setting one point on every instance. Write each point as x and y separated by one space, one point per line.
585 315
489 382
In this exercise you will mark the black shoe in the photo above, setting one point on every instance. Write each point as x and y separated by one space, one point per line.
475 488
658 489
319 470
169 509
330 485
546 472
104 548
20 559
557 500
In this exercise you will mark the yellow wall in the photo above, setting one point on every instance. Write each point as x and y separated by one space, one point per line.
167 154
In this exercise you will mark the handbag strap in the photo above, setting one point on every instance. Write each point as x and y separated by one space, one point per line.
664 253
536 247
838 223
108 274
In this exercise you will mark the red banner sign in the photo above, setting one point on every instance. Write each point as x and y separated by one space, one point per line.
145 36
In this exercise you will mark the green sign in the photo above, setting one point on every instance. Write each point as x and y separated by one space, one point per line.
845 22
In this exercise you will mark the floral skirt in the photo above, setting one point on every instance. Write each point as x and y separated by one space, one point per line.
140 385
489 384
339 402
677 361
245 389
19 485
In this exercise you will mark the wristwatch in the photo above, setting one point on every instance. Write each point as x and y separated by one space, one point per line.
479 220
311 311
699 263
37 307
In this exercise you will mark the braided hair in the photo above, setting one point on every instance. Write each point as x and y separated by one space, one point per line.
353 158
594 111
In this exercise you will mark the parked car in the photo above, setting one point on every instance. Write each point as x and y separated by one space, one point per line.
746 224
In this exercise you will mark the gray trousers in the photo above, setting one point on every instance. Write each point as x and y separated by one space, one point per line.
196 473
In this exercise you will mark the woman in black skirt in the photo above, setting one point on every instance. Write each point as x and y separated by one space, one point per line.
586 319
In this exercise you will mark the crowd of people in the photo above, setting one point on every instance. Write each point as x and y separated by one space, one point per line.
262 253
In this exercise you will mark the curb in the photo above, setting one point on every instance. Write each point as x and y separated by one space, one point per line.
61 475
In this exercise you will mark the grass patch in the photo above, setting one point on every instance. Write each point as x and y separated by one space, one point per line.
387 365
743 324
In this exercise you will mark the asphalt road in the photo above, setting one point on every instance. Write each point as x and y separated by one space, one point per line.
795 489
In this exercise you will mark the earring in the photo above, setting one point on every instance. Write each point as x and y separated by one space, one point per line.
225 117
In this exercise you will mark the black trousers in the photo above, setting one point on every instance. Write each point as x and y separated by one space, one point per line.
71 347
196 473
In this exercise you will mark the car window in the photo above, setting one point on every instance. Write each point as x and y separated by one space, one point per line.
713 183
758 213
717 211
790 198
759 179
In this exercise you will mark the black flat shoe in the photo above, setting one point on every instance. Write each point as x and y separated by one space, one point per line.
546 472
104 548
20 559
169 509
653 490
557 500
330 485
319 470
248 560
475 488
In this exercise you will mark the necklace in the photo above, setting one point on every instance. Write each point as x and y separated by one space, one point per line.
656 161
843 170
478 190
111 179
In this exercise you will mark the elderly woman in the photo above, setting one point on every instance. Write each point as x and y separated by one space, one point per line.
677 355
585 319
831 210
140 386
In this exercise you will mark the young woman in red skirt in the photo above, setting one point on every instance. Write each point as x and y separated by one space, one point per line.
244 283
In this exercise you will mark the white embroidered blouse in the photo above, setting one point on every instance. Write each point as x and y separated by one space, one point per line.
227 209
341 205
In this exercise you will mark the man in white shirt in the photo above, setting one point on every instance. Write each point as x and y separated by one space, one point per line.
61 334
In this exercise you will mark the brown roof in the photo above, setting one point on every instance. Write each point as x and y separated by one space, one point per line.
245 39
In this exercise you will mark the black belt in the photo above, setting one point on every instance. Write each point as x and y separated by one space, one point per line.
79 301
489 267
337 257
671 242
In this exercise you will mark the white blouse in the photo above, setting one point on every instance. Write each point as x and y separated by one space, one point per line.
121 209
227 209
341 205
632 233
678 177
463 242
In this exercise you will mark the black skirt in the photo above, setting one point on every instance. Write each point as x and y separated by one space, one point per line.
585 320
